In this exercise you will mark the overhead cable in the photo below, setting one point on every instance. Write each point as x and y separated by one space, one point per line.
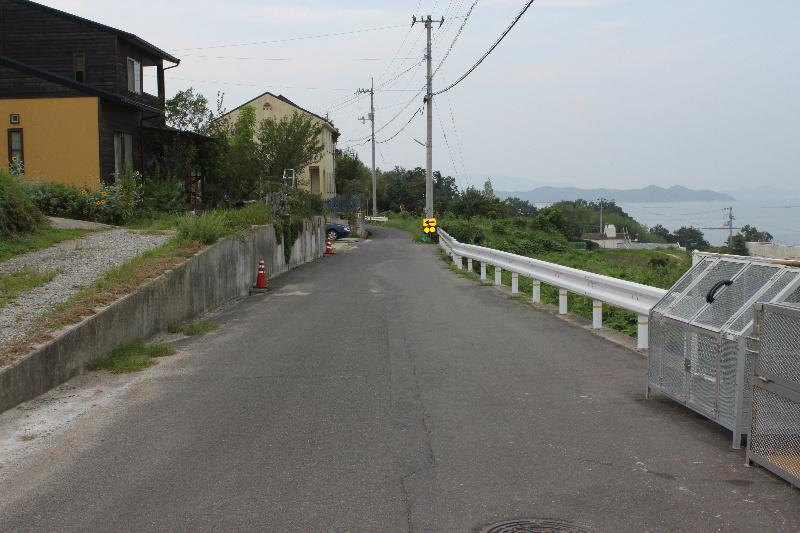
289 39
489 51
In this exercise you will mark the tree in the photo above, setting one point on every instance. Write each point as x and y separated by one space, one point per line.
691 238
473 202
445 191
189 111
488 190
751 234
516 207
738 245
242 166
660 231
288 142
353 178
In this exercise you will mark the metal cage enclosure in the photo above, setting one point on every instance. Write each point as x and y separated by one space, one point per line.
700 352
774 440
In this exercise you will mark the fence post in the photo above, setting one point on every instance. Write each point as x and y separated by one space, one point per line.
643 332
483 270
597 314
537 291
514 283
498 276
562 301
469 264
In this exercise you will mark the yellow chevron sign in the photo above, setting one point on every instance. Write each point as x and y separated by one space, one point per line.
429 225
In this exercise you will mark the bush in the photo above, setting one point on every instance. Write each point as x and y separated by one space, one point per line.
162 195
205 228
18 213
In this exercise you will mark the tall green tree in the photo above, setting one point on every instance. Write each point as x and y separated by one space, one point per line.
691 238
189 111
752 234
242 166
353 178
289 142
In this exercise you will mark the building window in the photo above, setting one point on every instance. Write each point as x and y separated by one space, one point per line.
79 66
123 151
134 76
16 153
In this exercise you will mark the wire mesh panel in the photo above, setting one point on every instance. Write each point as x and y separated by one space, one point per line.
775 424
694 299
696 272
698 349
745 286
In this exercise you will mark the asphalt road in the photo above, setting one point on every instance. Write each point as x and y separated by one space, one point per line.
378 391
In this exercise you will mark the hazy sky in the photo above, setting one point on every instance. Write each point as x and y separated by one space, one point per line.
617 93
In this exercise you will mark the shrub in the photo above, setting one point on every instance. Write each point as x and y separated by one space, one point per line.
18 213
205 228
117 203
162 195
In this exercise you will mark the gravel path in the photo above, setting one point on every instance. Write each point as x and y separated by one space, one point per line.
81 261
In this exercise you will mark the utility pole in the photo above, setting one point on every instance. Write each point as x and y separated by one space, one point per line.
429 102
728 224
371 92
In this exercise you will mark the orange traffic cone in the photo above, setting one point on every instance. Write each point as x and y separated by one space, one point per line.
328 247
261 280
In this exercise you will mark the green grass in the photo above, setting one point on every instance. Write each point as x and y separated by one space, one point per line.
408 223
17 245
132 357
196 328
27 437
16 283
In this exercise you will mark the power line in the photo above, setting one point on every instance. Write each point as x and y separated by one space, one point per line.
489 51
417 112
455 39
290 39
446 142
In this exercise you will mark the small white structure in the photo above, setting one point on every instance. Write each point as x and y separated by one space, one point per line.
609 238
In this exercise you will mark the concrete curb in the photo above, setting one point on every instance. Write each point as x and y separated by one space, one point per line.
221 272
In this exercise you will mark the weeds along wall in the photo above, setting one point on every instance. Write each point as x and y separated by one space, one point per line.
221 272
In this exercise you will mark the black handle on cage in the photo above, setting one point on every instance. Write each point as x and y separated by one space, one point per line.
712 292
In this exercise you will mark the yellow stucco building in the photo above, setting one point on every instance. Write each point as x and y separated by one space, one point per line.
319 178
56 139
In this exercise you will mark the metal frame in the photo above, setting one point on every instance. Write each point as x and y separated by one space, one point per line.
665 317
634 297
773 384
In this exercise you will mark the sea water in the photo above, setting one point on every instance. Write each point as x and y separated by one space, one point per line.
780 216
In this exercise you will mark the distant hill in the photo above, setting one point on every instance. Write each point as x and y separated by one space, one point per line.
651 193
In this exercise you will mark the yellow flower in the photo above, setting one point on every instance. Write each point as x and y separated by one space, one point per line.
13 159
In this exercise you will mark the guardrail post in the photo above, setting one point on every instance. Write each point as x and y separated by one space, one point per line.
483 271
562 301
514 283
643 332
469 264
597 314
458 261
498 276
537 291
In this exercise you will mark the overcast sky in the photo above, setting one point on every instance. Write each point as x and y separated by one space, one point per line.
589 93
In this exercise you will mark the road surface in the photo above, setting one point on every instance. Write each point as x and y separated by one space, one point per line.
378 391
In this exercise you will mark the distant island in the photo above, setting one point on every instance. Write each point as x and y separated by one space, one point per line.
651 193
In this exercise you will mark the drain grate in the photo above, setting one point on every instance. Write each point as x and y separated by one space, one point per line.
532 525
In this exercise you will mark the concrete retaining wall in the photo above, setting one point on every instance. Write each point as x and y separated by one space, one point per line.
774 251
224 271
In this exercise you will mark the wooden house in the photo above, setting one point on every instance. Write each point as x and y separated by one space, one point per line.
73 95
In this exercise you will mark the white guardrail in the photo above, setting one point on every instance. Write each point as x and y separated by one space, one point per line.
628 295
376 219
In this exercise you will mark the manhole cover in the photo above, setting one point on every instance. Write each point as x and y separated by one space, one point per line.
529 525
